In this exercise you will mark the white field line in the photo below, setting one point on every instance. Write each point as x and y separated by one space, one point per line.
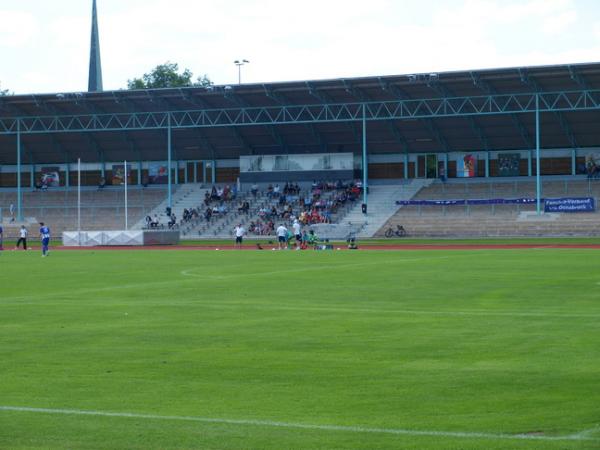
226 304
398 311
192 272
305 426
587 433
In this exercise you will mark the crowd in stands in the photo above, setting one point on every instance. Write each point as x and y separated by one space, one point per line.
287 204
217 201
308 208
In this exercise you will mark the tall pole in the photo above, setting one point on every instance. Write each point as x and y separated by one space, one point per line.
79 200
19 193
239 63
364 152
537 155
169 160
126 211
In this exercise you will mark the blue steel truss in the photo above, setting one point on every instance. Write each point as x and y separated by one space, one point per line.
492 104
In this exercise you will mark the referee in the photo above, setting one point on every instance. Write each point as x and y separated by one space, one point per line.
22 238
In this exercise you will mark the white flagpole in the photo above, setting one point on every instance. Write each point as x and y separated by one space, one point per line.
79 200
126 219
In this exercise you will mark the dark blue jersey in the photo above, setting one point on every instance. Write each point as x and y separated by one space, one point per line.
45 232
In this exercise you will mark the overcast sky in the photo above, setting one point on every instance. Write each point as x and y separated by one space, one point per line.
44 44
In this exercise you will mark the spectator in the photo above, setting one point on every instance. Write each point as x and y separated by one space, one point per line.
155 222
172 221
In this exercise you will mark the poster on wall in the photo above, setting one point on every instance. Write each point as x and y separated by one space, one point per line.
157 173
296 163
118 174
465 167
592 164
50 176
509 164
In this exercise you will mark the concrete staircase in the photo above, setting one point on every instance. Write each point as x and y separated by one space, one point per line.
220 226
187 196
382 205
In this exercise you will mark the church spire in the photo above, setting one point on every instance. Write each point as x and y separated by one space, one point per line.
95 76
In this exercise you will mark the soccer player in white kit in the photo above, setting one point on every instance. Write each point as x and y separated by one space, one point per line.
282 237
297 233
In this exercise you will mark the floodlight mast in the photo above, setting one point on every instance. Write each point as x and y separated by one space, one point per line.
239 64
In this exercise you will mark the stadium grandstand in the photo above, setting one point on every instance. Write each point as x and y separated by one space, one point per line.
508 151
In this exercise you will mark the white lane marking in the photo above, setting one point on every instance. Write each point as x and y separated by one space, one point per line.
305 426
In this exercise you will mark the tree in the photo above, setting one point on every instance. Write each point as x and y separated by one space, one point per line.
167 76
3 92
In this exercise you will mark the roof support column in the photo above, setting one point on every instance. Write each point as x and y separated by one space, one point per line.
169 150
195 171
406 166
32 176
538 186
487 164
364 157
573 161
213 171
529 165
19 193
416 166
445 166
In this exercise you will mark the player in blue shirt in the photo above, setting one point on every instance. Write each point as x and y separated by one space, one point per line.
1 237
45 236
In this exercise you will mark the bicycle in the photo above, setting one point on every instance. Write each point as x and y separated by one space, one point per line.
398 232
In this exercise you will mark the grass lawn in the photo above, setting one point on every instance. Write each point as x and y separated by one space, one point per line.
473 349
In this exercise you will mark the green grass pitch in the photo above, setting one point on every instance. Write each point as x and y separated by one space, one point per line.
475 349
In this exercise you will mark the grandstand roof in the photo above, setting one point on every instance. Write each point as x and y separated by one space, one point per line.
560 129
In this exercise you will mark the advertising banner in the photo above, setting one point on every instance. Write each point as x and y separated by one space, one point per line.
118 174
472 201
158 173
50 176
508 164
297 163
466 167
570 205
